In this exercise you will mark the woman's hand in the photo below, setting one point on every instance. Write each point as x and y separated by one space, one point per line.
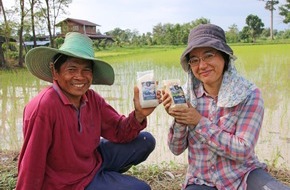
166 100
142 113
185 115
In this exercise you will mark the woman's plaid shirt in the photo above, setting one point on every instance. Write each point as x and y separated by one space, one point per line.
221 147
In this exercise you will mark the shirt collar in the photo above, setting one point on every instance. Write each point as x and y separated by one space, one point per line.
199 91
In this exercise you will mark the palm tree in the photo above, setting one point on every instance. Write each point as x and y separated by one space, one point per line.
270 6
2 58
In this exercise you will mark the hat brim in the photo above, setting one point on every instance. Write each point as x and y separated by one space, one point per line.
204 42
38 63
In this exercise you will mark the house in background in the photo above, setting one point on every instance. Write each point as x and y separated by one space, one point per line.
84 27
40 41
73 25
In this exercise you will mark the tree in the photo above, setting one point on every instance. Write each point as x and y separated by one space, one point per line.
232 35
122 36
255 25
174 34
285 12
20 59
6 36
159 34
270 6
58 7
148 39
52 10
245 34
32 5
266 33
47 13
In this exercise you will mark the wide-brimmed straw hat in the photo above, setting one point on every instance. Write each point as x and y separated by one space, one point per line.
205 35
75 45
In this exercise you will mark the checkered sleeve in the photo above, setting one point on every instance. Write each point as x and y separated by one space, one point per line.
177 138
235 134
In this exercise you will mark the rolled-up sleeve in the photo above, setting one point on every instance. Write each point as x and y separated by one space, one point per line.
177 138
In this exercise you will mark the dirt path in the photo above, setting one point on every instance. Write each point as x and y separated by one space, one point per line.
163 176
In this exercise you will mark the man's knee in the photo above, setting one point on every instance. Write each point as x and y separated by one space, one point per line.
149 140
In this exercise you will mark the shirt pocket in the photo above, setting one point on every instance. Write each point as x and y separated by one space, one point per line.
228 122
198 149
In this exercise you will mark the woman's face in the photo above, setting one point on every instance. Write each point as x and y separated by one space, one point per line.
207 65
74 78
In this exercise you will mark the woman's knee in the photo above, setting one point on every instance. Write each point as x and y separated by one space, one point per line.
260 179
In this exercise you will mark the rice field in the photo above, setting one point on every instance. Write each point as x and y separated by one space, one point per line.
268 66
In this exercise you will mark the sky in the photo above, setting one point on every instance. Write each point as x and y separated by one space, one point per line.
143 15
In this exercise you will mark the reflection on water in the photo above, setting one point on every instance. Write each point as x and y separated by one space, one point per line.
273 144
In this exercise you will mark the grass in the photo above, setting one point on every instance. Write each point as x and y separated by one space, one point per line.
165 176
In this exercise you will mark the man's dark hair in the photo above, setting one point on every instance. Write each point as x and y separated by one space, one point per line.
58 60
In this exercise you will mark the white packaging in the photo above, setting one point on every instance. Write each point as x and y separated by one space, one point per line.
147 89
174 89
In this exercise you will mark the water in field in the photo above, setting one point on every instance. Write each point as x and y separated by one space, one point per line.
270 71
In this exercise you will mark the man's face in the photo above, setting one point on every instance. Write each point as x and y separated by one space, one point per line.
74 78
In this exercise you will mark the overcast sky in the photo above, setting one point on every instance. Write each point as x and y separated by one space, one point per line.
142 15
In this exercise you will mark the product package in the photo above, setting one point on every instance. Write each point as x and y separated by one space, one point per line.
174 89
147 89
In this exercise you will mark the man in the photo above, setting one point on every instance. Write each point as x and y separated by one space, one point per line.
73 139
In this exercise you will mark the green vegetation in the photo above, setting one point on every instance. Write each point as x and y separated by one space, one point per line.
161 55
165 176
162 35
265 64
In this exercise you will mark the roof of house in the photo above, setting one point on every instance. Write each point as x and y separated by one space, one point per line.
79 21
100 36
38 43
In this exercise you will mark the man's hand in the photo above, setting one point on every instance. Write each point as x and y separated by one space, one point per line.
142 113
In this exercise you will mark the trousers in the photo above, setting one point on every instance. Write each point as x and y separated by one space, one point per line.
117 159
258 179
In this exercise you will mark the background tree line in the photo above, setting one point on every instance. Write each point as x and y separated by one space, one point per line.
176 34
31 19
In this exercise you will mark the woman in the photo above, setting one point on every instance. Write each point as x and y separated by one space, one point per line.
221 125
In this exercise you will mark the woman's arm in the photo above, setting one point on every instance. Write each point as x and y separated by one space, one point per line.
177 138
235 144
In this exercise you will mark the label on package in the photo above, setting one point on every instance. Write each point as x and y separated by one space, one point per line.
148 90
177 94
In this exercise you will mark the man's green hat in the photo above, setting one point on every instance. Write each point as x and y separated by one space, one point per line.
75 45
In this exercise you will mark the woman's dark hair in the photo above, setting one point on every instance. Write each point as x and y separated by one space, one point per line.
227 60
187 57
58 60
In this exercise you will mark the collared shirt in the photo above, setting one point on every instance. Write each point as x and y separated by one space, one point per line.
60 141
221 147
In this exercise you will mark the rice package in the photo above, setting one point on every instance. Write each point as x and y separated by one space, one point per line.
147 89
174 89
